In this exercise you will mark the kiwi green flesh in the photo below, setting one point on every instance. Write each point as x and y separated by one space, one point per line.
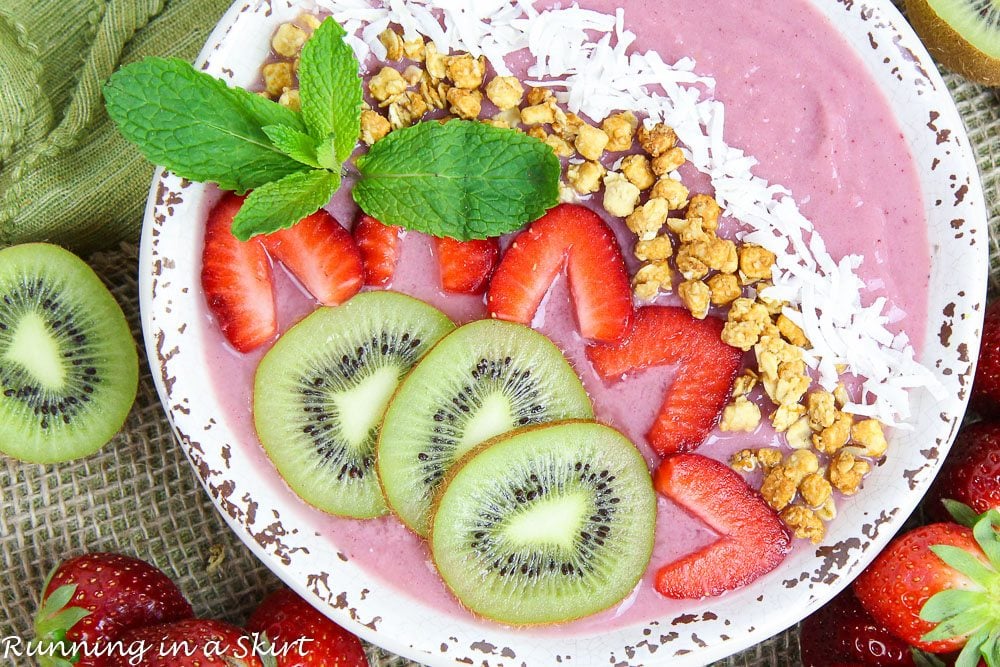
321 391
485 379
68 364
549 524
964 35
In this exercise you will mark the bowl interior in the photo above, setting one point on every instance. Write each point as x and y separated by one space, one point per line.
288 537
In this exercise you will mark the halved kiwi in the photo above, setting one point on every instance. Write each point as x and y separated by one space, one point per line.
487 378
546 525
321 391
68 364
964 35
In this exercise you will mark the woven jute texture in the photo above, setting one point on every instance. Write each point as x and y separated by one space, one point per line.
139 496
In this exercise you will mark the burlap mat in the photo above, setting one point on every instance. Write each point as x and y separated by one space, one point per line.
139 496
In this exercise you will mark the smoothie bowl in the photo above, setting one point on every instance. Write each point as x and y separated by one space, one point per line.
779 262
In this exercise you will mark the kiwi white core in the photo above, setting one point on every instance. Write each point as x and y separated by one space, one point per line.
33 347
492 419
552 521
374 392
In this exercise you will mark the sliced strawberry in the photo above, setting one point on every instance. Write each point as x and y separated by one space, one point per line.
576 238
661 336
379 246
753 539
466 266
322 255
236 278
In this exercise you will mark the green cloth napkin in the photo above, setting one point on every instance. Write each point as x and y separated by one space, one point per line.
65 173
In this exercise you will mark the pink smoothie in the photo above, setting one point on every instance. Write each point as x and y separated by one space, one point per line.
817 124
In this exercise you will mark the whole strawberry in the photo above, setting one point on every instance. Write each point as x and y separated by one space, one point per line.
91 600
986 387
971 473
843 632
300 636
190 643
938 588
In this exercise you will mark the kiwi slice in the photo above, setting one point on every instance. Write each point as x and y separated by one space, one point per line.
487 378
68 364
964 35
321 391
549 524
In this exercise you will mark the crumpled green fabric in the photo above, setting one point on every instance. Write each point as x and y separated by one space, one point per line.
66 175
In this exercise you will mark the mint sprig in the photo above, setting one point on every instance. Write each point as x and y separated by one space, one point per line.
330 88
457 179
461 179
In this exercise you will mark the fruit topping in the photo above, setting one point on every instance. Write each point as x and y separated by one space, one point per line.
663 336
753 540
380 247
322 255
466 266
191 643
970 474
485 379
236 278
963 34
68 364
321 391
935 587
574 238
843 633
549 524
92 600
314 640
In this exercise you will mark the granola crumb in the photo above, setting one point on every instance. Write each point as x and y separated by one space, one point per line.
658 139
620 196
657 248
505 92
740 415
586 177
696 297
868 433
590 142
620 128
744 460
846 472
804 523
637 170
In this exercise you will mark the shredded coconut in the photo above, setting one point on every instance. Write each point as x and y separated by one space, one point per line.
584 56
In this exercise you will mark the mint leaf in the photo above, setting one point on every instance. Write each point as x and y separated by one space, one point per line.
463 179
281 204
293 143
196 126
330 88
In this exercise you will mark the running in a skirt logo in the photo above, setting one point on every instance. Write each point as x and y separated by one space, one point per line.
136 653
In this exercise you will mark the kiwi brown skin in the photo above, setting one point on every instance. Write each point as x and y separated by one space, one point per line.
446 482
949 47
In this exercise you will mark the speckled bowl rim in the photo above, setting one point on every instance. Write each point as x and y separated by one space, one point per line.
278 533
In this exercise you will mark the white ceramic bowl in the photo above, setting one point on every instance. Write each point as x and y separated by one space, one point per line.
284 533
